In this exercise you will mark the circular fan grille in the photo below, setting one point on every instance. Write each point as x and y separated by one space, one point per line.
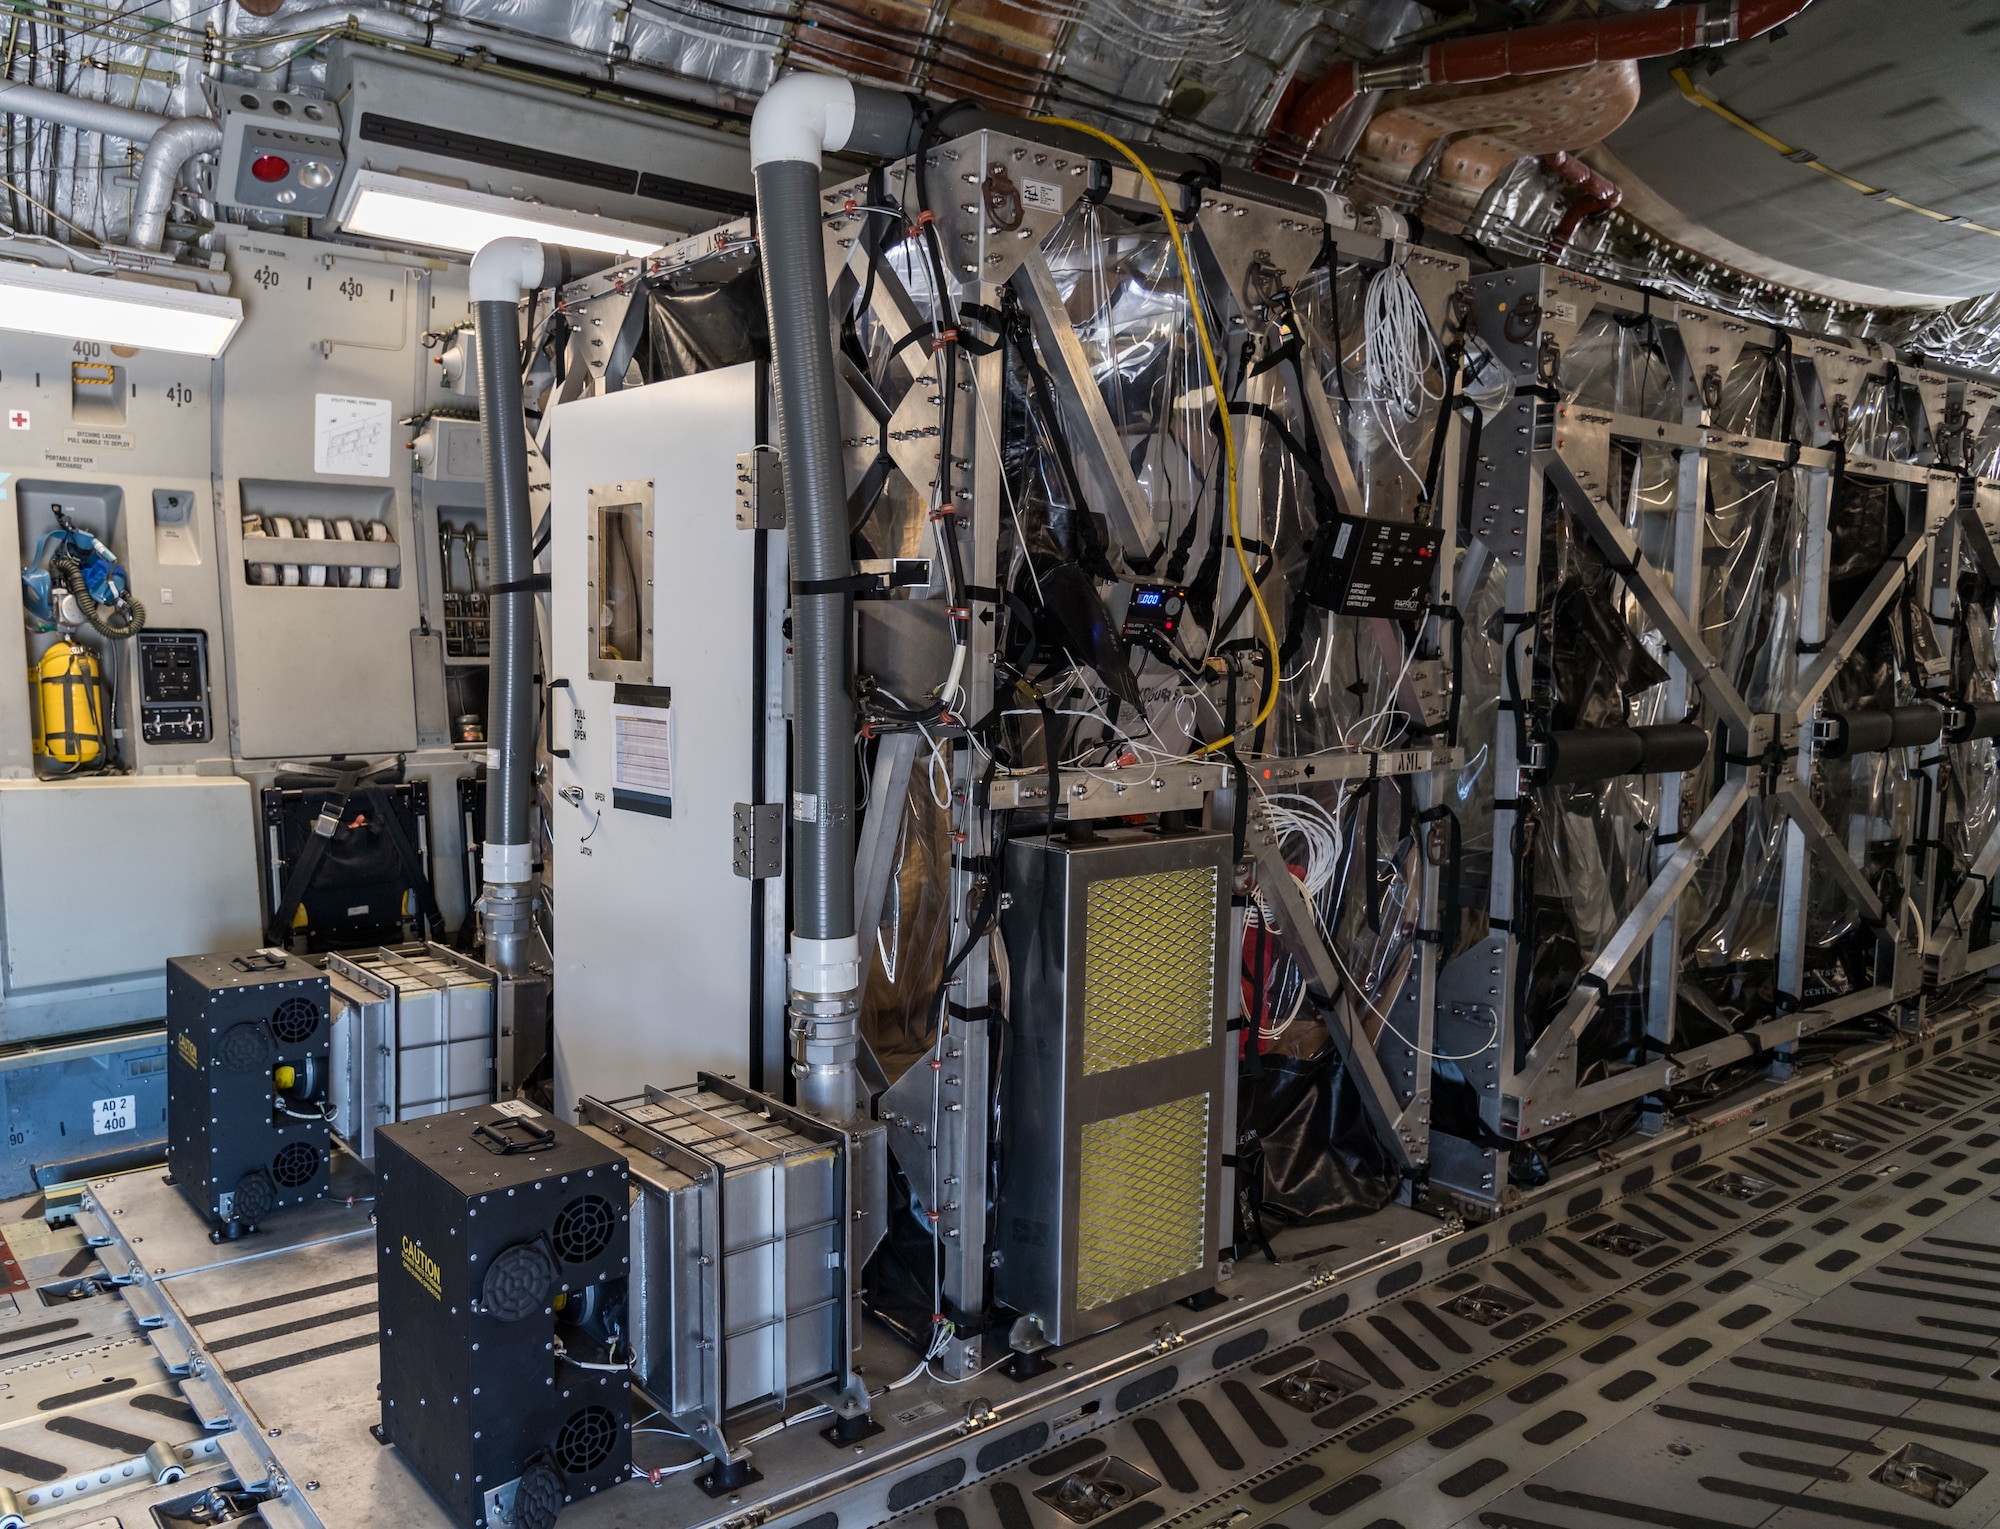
245 1048
586 1440
583 1229
295 1020
254 1197
295 1164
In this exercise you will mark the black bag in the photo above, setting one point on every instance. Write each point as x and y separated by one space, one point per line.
1306 1154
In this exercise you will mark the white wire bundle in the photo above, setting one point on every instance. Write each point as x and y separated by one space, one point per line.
1399 354
1292 815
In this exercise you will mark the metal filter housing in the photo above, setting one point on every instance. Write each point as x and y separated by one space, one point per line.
1114 1108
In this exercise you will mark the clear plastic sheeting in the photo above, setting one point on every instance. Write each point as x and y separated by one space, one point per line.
1970 780
1387 439
908 952
1616 362
1729 953
1125 297
1878 422
1590 853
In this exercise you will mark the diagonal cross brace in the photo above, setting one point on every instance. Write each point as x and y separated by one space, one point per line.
1977 884
1651 586
1101 465
1791 799
1889 578
1298 930
1633 934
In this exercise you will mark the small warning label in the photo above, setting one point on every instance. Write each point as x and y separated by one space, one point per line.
99 440
422 1268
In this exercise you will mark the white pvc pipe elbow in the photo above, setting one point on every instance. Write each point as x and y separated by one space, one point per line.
505 269
801 117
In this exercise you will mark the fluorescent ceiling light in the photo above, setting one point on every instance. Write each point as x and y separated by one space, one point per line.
74 306
400 210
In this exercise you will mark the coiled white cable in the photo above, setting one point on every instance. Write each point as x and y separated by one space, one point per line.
1401 352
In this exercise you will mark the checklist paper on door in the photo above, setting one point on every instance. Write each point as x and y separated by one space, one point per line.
642 725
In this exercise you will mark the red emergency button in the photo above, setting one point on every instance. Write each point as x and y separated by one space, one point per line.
270 167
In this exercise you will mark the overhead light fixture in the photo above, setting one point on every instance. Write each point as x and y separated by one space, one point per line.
399 210
72 305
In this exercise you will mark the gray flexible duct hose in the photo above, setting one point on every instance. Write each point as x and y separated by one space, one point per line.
788 232
166 156
510 725
800 118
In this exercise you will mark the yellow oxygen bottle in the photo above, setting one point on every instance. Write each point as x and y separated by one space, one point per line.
69 707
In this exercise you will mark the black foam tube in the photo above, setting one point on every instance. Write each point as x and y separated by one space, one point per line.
1599 753
1875 729
1974 719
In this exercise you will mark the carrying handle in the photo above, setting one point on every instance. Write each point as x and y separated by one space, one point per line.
549 717
536 1140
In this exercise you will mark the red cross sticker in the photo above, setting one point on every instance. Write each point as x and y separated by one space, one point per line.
18 420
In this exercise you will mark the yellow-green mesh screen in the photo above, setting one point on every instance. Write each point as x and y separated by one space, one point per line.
1142 1200
1148 967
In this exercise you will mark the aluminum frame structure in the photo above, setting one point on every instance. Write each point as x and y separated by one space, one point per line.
1556 455
1952 949
994 238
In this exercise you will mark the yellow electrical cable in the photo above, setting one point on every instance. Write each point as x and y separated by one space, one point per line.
1221 409
1804 157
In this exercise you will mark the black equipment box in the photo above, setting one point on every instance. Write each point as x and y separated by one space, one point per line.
498 1229
1373 567
248 1042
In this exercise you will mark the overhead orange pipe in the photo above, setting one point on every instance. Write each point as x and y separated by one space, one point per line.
1520 51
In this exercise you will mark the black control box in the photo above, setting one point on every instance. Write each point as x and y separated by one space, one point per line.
1373 567
1157 620
248 1042
173 687
502 1241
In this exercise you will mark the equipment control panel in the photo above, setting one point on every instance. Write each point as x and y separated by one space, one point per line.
1157 619
173 687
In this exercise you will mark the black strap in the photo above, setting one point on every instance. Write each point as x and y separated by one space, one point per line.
533 584
332 814
853 584
375 798
625 345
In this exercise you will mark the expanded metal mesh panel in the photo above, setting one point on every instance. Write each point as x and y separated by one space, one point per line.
1142 1200
1148 967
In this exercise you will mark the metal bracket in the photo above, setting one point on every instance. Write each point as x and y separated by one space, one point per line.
760 491
758 850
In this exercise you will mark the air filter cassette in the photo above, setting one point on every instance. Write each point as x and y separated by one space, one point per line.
1116 1078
